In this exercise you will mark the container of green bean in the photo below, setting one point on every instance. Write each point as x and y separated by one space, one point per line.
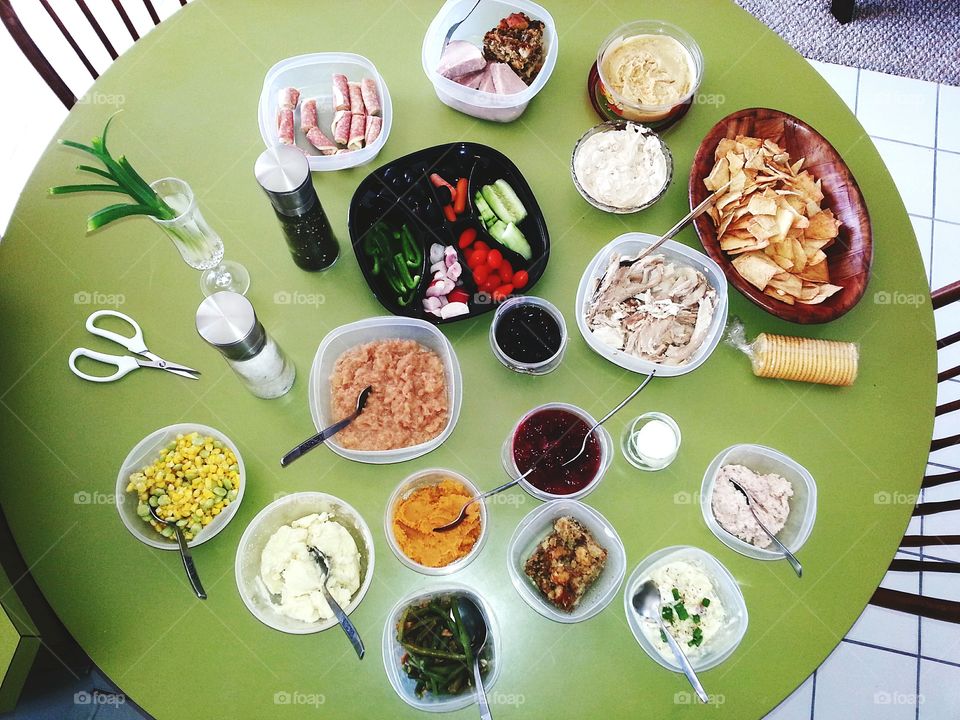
425 652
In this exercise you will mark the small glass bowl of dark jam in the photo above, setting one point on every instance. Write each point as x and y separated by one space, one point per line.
548 436
528 335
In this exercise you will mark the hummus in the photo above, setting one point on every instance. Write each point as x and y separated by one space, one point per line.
649 69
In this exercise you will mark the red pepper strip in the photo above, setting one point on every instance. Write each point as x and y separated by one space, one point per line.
460 198
440 182
449 212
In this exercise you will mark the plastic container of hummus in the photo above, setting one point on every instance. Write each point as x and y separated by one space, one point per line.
649 71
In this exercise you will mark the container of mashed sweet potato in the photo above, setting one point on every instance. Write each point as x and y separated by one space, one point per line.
428 499
649 71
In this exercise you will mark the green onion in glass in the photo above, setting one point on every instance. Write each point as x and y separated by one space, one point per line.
170 203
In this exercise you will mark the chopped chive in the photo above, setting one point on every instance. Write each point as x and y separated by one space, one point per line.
681 611
696 619
663 636
667 613
676 594
705 602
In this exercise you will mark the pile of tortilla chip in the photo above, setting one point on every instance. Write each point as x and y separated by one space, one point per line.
770 219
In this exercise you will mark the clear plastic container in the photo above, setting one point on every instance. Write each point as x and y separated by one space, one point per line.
631 244
388 327
425 478
717 648
534 527
540 368
311 74
606 453
633 454
484 105
393 651
283 512
145 453
803 504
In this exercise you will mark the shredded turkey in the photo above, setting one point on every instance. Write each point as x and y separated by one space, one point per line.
654 309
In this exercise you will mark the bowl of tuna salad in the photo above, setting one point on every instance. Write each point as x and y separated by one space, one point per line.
784 495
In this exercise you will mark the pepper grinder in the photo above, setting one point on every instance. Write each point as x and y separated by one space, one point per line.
228 322
284 174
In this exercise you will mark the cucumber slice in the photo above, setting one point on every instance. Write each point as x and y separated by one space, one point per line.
512 238
482 208
504 201
497 230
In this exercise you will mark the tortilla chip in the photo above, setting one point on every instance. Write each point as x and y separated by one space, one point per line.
823 226
816 272
823 292
756 268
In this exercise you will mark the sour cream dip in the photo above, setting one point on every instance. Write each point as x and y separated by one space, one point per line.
622 169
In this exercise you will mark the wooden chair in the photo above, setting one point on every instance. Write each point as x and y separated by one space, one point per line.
33 53
935 608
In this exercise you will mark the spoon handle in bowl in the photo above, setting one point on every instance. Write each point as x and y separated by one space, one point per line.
481 694
348 628
791 558
685 664
188 565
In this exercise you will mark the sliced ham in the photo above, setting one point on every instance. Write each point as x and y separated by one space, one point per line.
505 80
459 58
486 81
470 80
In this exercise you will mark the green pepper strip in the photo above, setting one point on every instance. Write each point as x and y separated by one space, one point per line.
400 266
412 252
428 652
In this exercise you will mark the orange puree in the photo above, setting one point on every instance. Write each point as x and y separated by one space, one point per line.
415 516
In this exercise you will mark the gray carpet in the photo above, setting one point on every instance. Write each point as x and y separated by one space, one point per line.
913 38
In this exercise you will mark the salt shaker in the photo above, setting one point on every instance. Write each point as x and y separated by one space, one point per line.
284 174
228 322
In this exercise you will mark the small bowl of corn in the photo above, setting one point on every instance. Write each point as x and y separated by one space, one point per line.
188 472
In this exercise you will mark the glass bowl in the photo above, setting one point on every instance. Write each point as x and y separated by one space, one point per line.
606 453
633 454
424 478
535 527
609 126
803 504
727 589
540 368
394 651
654 115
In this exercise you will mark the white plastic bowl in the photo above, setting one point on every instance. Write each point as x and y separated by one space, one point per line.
720 646
393 651
311 74
606 453
387 327
484 105
632 243
282 512
145 453
425 478
535 527
803 504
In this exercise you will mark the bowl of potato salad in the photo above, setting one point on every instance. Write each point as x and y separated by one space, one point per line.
189 473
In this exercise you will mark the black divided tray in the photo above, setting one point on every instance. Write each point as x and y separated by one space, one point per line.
401 192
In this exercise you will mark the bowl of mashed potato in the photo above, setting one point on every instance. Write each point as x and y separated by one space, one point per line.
278 579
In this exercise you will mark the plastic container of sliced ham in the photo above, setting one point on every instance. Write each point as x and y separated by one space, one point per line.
312 75
630 245
484 105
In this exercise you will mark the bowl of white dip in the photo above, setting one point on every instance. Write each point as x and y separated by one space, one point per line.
621 167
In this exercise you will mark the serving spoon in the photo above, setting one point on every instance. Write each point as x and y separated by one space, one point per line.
453 28
791 558
647 603
308 445
476 628
188 565
341 616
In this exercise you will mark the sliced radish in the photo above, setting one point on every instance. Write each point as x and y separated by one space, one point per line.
454 309
436 253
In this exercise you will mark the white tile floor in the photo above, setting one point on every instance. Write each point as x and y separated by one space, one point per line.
890 665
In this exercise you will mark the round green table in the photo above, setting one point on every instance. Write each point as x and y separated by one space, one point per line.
189 93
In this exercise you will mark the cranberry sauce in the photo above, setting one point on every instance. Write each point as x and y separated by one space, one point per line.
548 438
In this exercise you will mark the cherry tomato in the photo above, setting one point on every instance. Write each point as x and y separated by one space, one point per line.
489 285
480 245
478 258
481 273
494 258
467 237
506 269
471 263
520 279
502 292
495 278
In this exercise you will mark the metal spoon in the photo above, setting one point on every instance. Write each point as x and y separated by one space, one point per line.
688 218
791 558
610 414
342 618
453 28
646 601
308 445
463 511
188 565
476 628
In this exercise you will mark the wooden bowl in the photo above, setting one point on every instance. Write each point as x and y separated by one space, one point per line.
848 258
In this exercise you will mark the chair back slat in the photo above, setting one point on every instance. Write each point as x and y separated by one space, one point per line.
945 295
33 53
948 340
947 408
932 541
121 11
97 29
944 442
152 12
903 565
69 38
928 607
942 479
932 508
947 374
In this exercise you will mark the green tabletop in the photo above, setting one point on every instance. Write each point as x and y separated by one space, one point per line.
189 92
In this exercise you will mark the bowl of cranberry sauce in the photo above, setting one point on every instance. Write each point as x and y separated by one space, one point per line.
545 438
